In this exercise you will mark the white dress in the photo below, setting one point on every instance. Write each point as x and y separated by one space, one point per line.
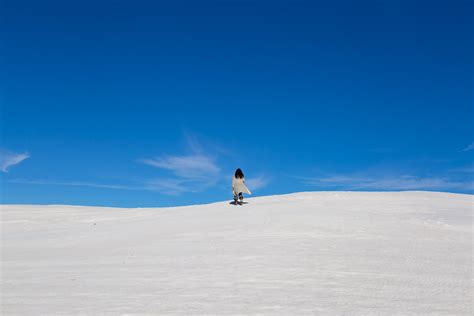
238 185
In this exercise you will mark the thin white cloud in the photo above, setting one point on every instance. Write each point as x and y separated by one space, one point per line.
188 167
9 158
168 186
193 172
77 183
257 183
403 182
408 182
469 147
465 169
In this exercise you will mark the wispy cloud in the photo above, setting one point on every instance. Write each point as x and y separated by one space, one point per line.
9 158
189 167
167 186
257 183
193 172
77 183
465 169
170 186
469 147
402 182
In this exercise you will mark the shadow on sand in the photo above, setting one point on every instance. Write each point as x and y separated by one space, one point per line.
238 203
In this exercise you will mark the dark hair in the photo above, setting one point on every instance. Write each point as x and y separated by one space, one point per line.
239 174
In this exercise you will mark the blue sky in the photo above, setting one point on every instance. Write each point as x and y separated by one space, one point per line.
155 103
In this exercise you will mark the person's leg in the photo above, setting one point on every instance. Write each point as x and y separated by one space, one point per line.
241 196
235 198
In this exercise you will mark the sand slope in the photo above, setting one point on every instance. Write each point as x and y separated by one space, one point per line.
303 253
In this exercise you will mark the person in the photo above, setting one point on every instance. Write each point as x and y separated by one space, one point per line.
238 186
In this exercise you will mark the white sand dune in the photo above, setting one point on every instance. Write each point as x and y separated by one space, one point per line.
304 253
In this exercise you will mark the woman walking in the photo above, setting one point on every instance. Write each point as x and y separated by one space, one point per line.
239 187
